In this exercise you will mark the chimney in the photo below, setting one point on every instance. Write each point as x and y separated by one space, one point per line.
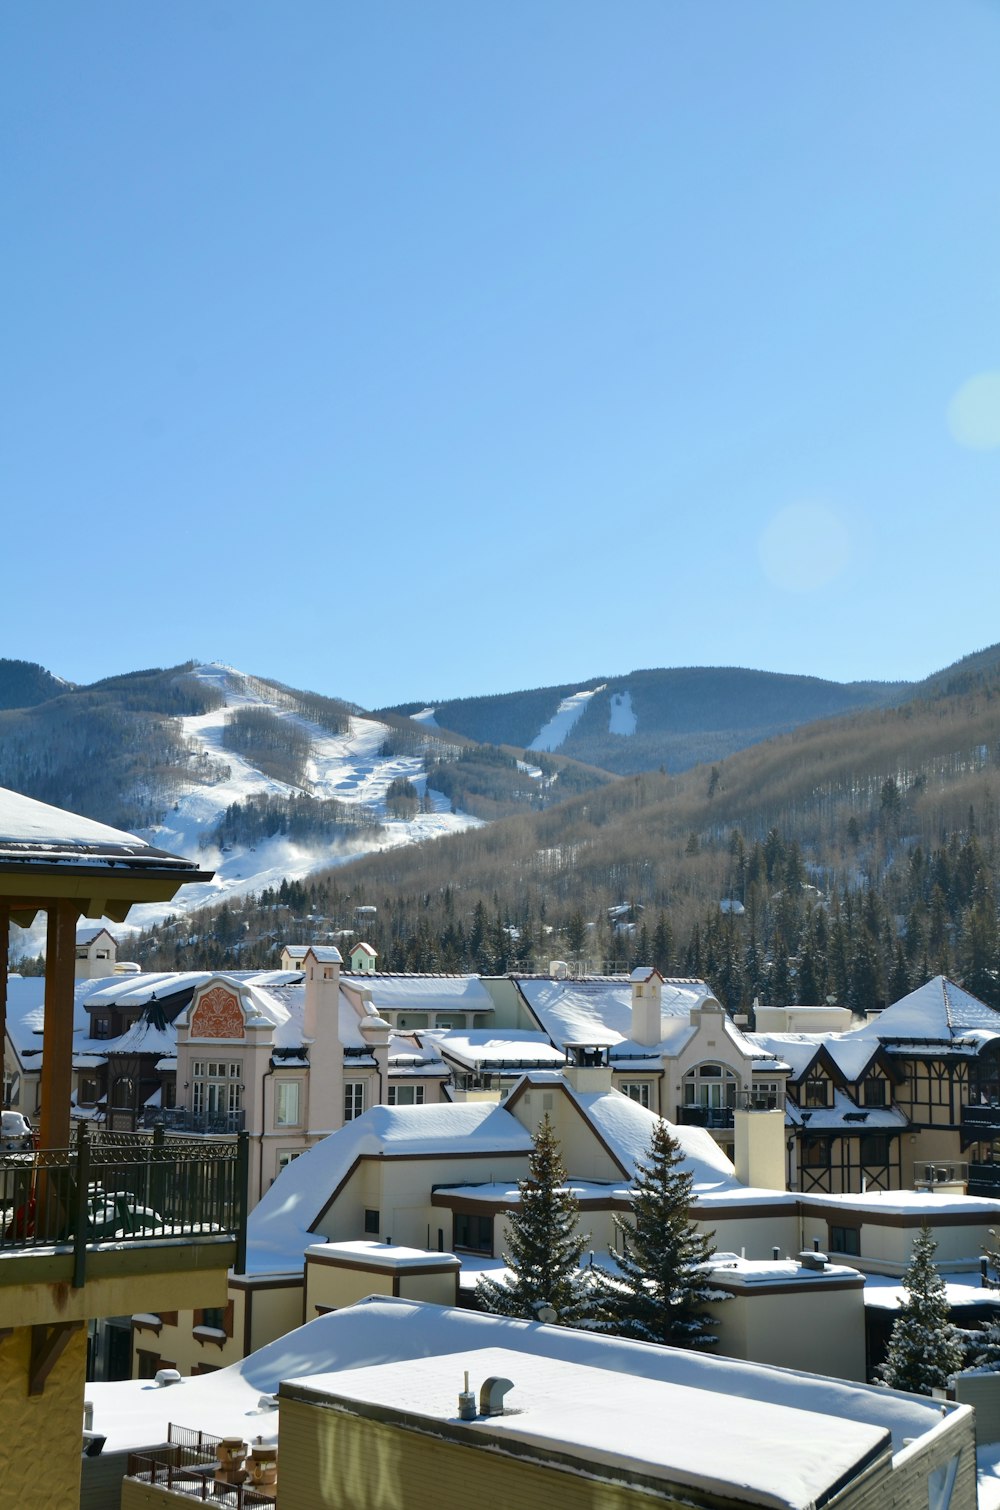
322 971
647 992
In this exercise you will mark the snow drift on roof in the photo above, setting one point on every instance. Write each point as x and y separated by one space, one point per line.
280 1227
134 1413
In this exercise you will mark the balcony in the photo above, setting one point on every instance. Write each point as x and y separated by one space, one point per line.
122 1190
984 1179
179 1119
716 1118
208 1468
980 1122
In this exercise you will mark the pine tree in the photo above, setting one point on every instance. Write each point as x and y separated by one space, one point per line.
661 1289
925 1348
544 1241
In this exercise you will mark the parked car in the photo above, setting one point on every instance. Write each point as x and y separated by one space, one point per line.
16 1135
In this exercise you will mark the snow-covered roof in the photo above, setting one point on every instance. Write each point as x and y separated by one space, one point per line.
845 1115
779 1455
424 993
597 1011
627 1129
777 1445
88 935
411 1056
938 1010
788 1435
280 1227
325 954
35 833
797 1050
499 1048
915 1203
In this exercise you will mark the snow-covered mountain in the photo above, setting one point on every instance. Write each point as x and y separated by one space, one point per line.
348 768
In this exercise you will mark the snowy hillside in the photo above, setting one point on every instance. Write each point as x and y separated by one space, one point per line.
347 768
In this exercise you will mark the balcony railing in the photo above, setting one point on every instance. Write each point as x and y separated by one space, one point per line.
984 1179
198 1464
180 1119
981 1121
121 1187
715 1117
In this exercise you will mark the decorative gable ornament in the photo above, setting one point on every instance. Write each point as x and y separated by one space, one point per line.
218 1015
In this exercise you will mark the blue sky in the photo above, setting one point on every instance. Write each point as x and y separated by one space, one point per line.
411 351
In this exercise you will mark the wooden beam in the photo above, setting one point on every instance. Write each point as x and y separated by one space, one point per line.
48 1343
57 1042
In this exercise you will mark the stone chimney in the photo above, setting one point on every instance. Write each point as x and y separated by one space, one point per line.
647 995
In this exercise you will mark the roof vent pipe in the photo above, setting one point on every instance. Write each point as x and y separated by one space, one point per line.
492 1393
466 1402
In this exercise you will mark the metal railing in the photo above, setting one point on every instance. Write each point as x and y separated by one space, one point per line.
180 1119
189 1465
986 1118
705 1116
120 1187
984 1179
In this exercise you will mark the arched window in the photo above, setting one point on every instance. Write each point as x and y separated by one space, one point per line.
711 1085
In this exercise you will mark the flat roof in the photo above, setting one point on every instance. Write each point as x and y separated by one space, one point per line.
766 1453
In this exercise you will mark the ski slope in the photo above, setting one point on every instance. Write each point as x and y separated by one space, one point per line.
345 767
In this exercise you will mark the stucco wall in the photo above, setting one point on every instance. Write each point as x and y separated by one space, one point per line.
41 1435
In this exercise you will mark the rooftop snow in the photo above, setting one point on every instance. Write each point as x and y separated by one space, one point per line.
598 1012
135 1414
39 833
938 1010
499 1048
560 1404
428 993
280 1227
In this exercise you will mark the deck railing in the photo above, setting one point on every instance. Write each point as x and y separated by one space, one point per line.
115 1187
189 1466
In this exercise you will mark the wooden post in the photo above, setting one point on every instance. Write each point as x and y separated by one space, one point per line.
57 1044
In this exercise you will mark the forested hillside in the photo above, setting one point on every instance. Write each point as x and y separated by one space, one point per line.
23 684
672 719
852 858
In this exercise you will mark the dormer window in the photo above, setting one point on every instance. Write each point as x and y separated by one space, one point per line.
816 1091
874 1091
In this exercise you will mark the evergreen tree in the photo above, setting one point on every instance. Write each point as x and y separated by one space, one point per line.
925 1348
662 1288
545 1243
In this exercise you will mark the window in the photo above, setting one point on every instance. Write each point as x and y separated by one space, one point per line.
816 1153
11 1088
88 1092
875 1149
124 1092
845 1240
218 1094
712 1086
354 1099
287 1095
406 1095
288 1156
146 1363
473 1232
874 1091
101 1027
637 1090
372 1222
816 1091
